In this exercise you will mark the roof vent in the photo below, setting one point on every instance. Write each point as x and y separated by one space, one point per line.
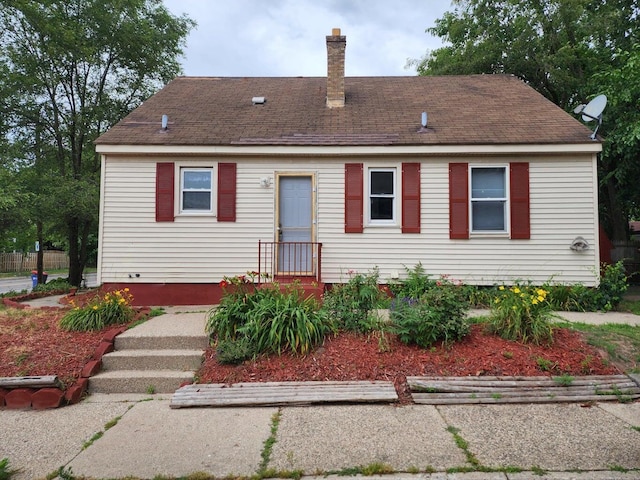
258 100
165 122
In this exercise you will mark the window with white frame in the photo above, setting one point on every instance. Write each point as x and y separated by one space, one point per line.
196 190
382 195
488 199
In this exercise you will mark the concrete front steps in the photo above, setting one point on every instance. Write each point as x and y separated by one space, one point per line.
155 357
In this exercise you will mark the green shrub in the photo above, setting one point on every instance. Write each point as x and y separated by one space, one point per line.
234 351
566 297
111 309
13 293
271 320
613 285
607 296
351 303
239 299
438 315
414 285
53 285
480 296
286 321
522 313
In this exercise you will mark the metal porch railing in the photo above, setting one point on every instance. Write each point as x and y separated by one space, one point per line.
289 261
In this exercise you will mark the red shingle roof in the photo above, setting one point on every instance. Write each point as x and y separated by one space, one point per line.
474 109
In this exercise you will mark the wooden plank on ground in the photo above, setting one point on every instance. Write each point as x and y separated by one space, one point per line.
44 381
282 393
461 390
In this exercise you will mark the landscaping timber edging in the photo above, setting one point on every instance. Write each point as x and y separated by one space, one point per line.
44 392
282 393
511 389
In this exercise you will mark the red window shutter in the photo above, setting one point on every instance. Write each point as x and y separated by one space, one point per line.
410 198
164 192
458 200
519 187
353 197
226 192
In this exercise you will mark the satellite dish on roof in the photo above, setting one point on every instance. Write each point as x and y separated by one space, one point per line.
592 111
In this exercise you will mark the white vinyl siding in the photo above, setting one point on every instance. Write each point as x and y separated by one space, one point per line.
197 249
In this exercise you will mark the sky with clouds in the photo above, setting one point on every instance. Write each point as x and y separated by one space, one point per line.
256 38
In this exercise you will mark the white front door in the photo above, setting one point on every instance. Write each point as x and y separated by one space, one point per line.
295 225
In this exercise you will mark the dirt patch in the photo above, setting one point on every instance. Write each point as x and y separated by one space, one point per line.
618 349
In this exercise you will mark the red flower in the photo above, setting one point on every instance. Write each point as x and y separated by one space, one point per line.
224 284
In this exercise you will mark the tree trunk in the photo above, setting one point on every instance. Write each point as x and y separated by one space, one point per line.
39 253
619 223
76 267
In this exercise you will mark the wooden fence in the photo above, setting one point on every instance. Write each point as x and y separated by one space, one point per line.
24 262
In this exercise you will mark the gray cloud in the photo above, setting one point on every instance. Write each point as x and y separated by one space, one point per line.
287 37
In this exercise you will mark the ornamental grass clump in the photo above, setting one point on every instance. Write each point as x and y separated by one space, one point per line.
113 308
522 313
250 321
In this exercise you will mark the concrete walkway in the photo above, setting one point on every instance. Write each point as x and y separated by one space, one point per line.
150 439
139 436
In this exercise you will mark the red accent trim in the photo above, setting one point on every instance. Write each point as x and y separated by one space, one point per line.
159 294
165 191
148 294
226 192
605 247
520 215
353 198
410 198
458 200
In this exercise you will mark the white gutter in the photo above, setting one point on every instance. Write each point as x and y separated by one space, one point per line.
341 150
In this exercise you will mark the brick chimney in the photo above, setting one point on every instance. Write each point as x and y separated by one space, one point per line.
336 45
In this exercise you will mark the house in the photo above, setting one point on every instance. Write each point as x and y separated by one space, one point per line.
314 177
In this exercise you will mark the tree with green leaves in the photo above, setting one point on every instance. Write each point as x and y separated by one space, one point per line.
568 50
71 69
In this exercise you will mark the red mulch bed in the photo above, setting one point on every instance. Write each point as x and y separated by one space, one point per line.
358 357
32 344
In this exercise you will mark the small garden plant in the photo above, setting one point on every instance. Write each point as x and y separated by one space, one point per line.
606 297
261 319
522 313
250 320
435 311
351 303
112 308
55 285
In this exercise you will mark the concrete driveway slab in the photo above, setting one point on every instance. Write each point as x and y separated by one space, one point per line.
152 439
552 437
320 439
39 442
627 412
